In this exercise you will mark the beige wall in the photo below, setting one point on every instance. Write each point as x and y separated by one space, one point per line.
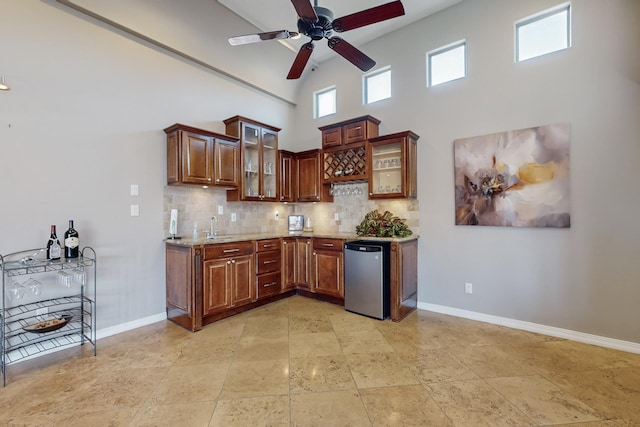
584 278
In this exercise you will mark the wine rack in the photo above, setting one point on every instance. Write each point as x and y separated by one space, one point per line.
345 164
36 291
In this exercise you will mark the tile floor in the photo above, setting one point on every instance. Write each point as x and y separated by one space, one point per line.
299 362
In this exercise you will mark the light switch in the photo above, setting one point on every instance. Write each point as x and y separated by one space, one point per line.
220 210
135 210
134 189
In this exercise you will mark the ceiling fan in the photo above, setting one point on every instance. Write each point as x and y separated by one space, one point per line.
317 23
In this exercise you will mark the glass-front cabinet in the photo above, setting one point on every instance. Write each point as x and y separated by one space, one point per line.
392 165
258 159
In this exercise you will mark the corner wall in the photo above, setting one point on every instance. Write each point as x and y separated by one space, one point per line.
584 278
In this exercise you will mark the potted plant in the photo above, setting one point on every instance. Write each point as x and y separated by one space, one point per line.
382 225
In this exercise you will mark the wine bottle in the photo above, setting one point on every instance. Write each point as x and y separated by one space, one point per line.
53 245
71 242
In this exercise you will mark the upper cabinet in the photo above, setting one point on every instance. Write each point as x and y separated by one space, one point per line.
349 131
392 163
344 149
301 177
258 159
200 157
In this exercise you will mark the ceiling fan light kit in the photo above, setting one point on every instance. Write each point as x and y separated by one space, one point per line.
317 23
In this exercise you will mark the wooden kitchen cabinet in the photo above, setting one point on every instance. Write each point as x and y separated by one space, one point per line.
288 263
258 160
288 178
200 157
268 265
296 263
303 262
228 277
392 166
403 279
350 131
310 187
328 267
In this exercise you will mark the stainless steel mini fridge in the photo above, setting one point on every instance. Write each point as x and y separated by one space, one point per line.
366 278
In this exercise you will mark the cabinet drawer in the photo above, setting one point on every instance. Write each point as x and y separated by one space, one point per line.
328 244
267 245
332 137
267 262
228 250
269 284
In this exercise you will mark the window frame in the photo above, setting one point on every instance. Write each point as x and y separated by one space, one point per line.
365 86
539 17
444 49
316 104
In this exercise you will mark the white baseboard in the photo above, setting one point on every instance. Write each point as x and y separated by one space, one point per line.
616 344
124 327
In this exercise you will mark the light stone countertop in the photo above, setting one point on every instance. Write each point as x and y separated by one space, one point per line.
261 236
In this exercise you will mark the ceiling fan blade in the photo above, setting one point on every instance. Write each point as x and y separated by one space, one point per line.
368 16
304 9
260 37
301 61
351 53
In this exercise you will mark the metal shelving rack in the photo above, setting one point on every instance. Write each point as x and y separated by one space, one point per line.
71 291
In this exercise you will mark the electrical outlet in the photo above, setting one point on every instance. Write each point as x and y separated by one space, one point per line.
220 210
135 210
233 217
336 216
276 216
468 288
41 311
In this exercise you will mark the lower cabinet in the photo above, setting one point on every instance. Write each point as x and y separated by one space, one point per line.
328 267
404 279
228 277
296 263
268 261
207 283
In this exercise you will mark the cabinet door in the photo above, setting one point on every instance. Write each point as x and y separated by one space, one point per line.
391 160
288 263
332 137
404 279
243 281
328 275
269 164
173 158
197 155
309 177
252 158
217 277
288 177
226 163
303 262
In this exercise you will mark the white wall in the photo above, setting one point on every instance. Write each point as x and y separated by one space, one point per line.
82 122
584 278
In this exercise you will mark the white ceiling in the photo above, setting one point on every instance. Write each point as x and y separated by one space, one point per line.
273 15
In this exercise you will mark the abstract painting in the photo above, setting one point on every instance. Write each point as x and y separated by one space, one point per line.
518 178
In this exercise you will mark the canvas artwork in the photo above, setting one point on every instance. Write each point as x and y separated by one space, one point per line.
518 178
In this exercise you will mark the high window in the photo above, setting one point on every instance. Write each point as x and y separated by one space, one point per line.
377 85
324 102
447 63
543 33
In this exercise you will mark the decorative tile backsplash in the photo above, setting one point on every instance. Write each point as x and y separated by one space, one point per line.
198 205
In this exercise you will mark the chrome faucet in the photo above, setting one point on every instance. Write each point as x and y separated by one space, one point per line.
213 233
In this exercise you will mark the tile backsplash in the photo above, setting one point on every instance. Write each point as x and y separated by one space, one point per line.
198 205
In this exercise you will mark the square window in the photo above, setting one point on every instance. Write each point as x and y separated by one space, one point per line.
543 33
447 63
324 102
377 85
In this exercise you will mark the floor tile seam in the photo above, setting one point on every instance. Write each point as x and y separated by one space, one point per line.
435 401
564 392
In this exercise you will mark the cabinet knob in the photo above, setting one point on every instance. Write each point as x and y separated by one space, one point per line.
233 261
284 243
228 262
218 180
371 194
209 179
